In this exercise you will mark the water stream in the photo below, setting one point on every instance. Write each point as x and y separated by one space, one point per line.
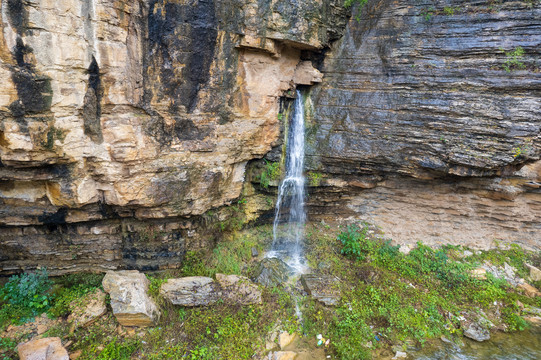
290 217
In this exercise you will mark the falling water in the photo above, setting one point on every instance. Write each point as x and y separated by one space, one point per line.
289 219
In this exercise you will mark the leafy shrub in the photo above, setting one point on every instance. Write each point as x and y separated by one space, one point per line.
28 291
355 244
514 60
116 350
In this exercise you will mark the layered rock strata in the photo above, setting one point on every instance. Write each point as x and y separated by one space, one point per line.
122 122
428 122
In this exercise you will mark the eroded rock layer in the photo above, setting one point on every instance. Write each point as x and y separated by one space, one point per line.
125 126
428 123
139 114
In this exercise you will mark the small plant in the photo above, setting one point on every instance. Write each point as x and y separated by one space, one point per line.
361 4
270 172
449 11
427 13
514 60
354 242
116 350
314 178
29 291
519 151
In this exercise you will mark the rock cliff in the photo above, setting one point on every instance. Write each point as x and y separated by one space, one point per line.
428 123
123 123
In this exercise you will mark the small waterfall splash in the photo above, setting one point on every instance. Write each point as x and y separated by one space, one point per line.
289 219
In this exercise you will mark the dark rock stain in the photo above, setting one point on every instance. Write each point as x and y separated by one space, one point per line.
53 220
17 14
182 34
92 103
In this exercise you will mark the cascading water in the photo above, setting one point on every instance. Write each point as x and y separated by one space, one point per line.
289 219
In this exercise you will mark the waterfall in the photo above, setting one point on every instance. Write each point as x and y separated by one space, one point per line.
289 219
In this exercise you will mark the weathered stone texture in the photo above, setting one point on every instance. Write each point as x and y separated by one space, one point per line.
129 299
138 109
418 126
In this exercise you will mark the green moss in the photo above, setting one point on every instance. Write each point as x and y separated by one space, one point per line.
271 172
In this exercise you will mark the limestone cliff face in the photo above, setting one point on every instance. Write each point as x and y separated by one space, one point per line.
121 122
420 128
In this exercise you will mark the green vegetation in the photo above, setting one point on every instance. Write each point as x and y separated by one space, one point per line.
117 350
427 13
514 60
271 172
389 298
314 178
449 11
393 298
360 3
52 134
26 295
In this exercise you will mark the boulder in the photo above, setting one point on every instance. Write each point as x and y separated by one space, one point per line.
129 299
43 349
285 338
529 290
191 291
475 331
272 272
535 273
88 309
323 288
238 290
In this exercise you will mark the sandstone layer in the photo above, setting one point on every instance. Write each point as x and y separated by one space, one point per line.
122 122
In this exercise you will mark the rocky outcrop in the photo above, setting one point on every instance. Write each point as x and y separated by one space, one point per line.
123 122
424 125
272 272
237 289
129 299
127 127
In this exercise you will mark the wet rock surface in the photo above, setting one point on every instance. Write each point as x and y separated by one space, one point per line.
129 299
271 272
323 288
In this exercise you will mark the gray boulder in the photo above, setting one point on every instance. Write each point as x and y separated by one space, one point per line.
191 291
238 290
323 288
272 272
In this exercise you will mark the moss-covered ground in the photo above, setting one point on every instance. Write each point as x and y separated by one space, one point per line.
389 300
